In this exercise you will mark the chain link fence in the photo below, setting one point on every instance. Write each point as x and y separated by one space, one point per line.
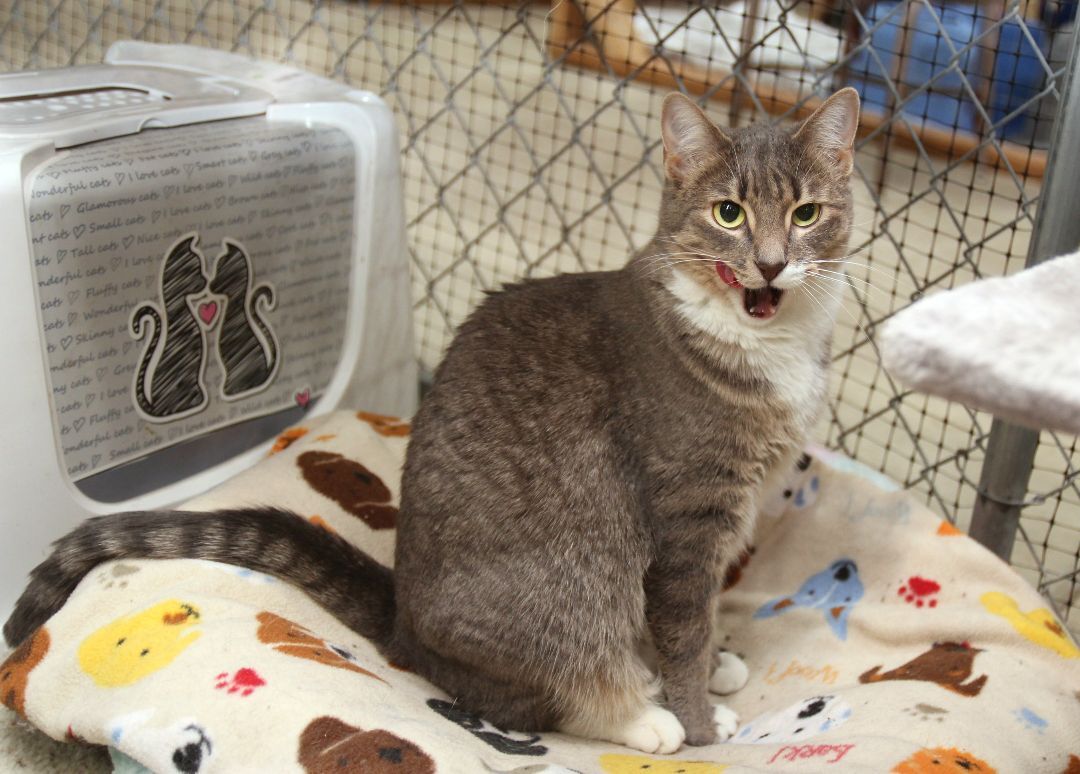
531 147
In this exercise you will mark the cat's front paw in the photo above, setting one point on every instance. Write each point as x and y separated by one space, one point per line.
726 722
655 730
729 675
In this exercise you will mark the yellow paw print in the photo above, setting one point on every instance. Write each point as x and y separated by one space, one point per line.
639 764
128 649
1039 626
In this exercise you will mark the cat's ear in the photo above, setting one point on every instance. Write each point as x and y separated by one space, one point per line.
691 140
833 126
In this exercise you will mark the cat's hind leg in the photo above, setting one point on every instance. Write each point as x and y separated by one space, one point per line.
621 708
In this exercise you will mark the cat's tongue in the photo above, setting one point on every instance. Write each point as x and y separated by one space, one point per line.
761 302
727 275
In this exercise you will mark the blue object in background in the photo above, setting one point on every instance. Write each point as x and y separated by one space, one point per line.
1017 73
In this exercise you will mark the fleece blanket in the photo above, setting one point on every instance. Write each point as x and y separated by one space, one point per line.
878 639
1008 345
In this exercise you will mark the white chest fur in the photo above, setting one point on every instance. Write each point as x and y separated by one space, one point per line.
786 351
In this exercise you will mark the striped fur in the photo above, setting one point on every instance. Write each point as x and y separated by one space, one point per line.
338 576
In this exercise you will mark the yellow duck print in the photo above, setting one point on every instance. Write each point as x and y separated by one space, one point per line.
130 648
639 764
1039 626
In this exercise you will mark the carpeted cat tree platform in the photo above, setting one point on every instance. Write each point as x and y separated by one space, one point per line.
1009 346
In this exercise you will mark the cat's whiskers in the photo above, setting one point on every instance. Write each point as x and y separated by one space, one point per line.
669 264
842 277
892 277
840 303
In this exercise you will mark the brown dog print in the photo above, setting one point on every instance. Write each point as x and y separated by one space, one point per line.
15 671
331 745
948 664
350 485
292 639
942 760
391 427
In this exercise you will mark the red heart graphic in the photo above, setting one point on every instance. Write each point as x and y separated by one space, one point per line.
207 312
922 586
303 398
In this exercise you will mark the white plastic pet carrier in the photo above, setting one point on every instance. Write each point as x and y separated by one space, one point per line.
200 250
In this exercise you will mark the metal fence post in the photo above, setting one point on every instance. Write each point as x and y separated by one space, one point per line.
1010 451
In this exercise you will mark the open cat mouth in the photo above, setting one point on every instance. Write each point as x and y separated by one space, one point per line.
759 303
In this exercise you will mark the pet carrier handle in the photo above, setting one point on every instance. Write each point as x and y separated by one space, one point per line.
87 104
1010 450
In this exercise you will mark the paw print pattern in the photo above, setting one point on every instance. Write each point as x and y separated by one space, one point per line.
927 712
116 576
243 681
921 592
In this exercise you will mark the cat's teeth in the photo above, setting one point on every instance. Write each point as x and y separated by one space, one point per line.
762 303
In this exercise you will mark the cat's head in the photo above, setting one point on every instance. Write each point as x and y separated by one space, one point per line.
750 217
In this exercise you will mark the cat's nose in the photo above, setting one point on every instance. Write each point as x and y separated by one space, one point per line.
770 270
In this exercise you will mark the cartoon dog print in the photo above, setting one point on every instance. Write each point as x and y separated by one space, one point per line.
15 671
486 732
183 746
1038 626
802 720
942 760
834 591
352 486
948 664
292 639
329 745
613 763
130 648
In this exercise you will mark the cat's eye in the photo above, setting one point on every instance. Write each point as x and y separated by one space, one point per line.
728 214
805 214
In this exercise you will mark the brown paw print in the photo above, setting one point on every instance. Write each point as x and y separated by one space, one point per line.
15 672
927 712
116 576
350 485
331 745
292 639
391 427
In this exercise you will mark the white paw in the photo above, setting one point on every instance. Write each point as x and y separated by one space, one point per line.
655 730
730 675
726 722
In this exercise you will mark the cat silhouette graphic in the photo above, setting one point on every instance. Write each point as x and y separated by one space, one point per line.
169 380
948 664
246 344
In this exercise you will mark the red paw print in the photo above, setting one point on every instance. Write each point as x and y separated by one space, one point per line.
243 681
920 591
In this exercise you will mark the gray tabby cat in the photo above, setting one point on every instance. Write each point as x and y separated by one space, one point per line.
589 459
